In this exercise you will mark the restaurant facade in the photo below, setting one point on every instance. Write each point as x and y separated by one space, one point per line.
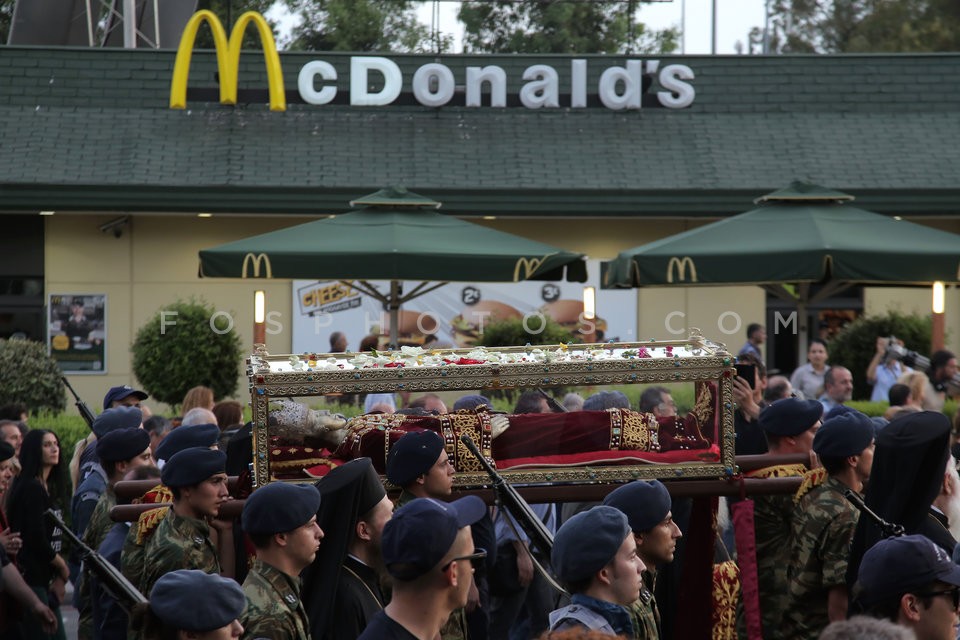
108 193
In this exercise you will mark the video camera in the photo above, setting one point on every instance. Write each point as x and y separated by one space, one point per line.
896 351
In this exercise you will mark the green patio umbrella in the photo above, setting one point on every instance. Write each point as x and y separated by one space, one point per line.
799 236
394 235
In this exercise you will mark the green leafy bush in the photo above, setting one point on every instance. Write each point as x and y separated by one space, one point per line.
169 359
855 345
29 375
513 333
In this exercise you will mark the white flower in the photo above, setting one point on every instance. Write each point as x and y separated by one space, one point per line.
412 352
360 360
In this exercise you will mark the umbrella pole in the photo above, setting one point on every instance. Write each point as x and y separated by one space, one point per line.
393 305
802 338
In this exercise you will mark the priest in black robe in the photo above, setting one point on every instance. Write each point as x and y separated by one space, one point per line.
341 589
909 462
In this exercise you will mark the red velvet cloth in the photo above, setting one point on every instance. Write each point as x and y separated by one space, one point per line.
576 438
612 458
697 573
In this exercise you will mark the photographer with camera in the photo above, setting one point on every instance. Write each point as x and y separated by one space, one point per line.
885 367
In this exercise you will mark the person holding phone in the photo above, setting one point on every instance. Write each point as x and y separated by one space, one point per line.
748 386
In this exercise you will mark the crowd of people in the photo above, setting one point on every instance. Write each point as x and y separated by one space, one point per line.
339 559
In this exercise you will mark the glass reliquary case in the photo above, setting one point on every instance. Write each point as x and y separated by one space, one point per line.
308 411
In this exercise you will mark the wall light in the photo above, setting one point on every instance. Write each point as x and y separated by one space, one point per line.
204 215
47 213
259 306
589 303
259 315
938 294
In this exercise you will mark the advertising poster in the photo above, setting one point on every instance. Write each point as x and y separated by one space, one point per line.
453 314
76 331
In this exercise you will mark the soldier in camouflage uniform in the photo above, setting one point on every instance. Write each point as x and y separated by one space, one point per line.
789 425
93 486
120 451
192 604
420 464
134 547
182 539
281 521
647 506
823 525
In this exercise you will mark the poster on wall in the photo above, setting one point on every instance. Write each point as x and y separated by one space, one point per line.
455 314
76 331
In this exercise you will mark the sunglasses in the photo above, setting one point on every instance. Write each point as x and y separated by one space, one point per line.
953 593
474 558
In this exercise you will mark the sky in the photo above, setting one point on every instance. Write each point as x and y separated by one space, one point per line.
735 18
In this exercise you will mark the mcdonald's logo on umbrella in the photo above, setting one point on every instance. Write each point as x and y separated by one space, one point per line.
526 267
256 260
681 265
228 58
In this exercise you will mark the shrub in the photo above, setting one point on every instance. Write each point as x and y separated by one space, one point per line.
169 360
855 345
513 333
29 375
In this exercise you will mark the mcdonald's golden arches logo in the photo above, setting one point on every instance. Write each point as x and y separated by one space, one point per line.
681 264
228 58
256 260
526 267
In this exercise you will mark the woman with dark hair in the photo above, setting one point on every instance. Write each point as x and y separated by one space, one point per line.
40 486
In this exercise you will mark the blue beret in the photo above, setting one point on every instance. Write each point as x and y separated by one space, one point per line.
198 435
587 542
896 566
846 435
117 418
838 410
191 600
121 392
280 507
472 402
421 532
646 504
790 416
122 444
192 466
412 456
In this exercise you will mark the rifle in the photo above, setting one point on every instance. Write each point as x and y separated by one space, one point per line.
555 406
507 497
81 405
110 577
888 529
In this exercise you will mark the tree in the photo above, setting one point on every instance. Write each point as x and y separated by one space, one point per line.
29 375
358 25
855 345
201 348
560 26
864 26
6 15
228 11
